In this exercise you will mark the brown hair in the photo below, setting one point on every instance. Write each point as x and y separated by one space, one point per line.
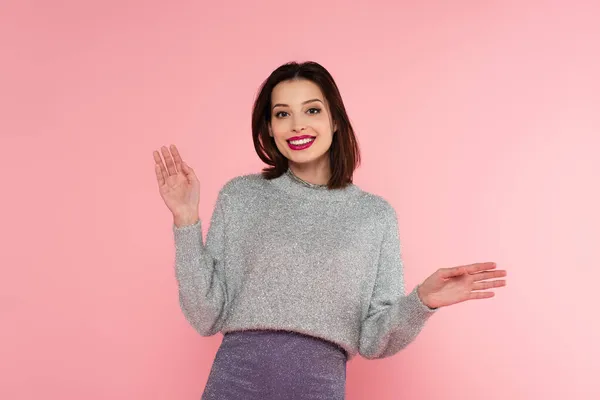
344 153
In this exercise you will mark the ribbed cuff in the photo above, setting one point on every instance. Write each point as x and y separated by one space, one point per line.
185 228
419 305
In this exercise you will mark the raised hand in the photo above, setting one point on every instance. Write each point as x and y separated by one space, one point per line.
449 286
178 185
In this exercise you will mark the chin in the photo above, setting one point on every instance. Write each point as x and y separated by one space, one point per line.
306 159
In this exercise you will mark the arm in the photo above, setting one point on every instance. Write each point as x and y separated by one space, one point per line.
199 272
394 319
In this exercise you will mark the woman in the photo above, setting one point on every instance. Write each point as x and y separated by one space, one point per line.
301 269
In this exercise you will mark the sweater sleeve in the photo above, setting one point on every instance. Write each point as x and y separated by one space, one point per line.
200 273
394 319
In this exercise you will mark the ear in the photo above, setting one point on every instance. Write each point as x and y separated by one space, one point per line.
270 130
334 127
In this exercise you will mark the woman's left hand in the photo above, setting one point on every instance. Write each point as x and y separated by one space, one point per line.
449 286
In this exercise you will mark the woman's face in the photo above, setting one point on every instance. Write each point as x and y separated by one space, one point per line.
299 110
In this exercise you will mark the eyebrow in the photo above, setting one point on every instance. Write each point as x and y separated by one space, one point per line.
304 102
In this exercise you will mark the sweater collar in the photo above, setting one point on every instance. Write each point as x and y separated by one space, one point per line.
294 187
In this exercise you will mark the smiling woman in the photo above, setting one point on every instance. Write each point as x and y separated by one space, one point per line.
300 123
308 121
301 270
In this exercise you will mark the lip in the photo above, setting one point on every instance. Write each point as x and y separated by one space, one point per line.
302 146
300 137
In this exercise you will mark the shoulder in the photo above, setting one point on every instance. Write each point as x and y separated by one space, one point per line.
377 203
242 190
243 183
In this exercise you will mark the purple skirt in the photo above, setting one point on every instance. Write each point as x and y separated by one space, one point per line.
269 364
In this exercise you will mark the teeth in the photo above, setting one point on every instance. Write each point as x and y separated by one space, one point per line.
303 141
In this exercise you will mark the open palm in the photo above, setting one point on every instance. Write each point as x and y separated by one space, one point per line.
177 183
449 286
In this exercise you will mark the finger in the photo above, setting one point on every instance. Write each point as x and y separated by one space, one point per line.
188 172
489 284
158 160
481 295
478 267
480 276
159 176
452 272
176 157
168 160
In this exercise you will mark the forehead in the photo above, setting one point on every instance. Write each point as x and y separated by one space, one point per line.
296 91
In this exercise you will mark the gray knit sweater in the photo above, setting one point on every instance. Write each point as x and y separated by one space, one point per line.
281 255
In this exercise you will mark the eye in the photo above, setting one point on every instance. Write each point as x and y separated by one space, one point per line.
318 110
277 115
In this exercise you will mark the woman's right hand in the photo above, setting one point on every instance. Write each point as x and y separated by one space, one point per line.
178 185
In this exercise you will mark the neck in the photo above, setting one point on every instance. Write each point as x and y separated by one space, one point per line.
302 190
313 174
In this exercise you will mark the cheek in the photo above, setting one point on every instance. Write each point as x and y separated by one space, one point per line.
323 126
279 128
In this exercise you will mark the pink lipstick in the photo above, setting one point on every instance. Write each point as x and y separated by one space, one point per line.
305 142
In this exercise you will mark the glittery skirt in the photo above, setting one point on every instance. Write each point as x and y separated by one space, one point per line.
268 364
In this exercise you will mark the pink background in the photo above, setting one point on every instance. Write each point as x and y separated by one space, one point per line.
479 121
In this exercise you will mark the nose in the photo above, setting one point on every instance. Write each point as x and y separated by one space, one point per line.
298 124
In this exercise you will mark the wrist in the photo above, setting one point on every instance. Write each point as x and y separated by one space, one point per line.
424 299
185 219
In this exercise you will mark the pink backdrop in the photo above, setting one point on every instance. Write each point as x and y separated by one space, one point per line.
479 121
